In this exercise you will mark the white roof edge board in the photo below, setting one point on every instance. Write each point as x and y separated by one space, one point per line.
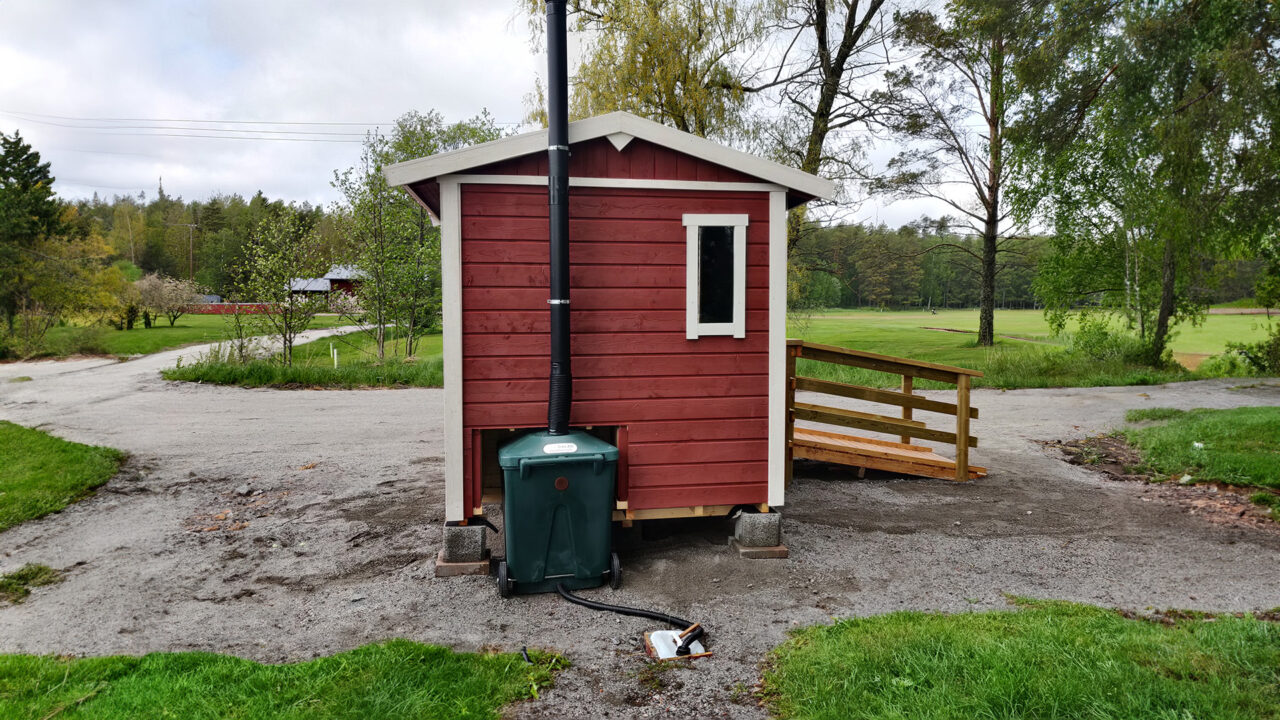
412 171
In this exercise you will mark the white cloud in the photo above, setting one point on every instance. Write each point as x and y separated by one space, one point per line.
260 60
238 60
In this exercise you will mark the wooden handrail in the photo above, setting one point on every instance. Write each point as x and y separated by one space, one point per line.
874 423
906 427
903 400
874 361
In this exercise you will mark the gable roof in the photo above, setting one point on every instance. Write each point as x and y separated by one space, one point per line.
309 285
619 128
344 272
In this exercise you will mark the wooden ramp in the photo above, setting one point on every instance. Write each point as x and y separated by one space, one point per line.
897 457
886 455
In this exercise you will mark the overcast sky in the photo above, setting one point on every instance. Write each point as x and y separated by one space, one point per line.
104 88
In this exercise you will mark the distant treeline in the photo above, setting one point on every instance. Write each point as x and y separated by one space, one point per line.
205 241
921 265
926 265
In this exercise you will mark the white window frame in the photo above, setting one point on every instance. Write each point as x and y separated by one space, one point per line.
738 327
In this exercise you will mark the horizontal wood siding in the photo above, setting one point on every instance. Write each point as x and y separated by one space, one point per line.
640 159
695 410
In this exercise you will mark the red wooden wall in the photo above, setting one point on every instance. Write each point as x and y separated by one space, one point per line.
695 411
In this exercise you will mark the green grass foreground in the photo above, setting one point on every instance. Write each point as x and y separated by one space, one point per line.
395 679
189 330
42 474
1238 447
1049 660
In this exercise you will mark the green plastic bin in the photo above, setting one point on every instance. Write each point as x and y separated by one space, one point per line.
557 513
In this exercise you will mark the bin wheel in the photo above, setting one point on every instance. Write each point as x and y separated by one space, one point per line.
615 571
504 583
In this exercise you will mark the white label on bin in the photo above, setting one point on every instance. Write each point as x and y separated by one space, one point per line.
559 448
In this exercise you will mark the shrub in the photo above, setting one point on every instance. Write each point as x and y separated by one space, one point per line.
1228 364
88 340
1098 340
1263 356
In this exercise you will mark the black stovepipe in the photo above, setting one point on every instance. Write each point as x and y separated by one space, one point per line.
561 388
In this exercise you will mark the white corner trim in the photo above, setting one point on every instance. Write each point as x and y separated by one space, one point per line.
620 140
458 161
777 348
737 328
451 296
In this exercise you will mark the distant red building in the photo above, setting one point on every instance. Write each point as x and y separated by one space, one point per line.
344 278
340 278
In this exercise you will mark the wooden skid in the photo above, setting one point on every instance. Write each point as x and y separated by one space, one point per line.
875 454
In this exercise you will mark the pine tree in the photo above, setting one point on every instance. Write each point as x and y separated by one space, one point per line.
28 212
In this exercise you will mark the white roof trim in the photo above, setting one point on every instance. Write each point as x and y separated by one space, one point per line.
455 161
620 140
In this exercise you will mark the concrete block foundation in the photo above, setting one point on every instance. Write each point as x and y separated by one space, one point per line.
463 543
758 535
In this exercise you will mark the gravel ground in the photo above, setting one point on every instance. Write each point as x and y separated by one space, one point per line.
333 545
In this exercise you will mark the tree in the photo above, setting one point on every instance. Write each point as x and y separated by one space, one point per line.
673 61
391 239
29 214
698 65
65 274
284 248
170 297
127 224
952 108
1151 147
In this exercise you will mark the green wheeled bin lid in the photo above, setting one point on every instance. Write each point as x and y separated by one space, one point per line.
571 445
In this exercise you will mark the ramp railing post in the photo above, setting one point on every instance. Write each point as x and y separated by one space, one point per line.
962 428
908 383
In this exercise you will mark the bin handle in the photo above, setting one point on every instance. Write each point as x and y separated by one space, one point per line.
526 464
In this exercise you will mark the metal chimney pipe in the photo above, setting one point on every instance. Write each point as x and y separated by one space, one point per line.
561 388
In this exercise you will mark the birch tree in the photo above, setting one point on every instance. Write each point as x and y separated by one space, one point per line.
1151 147
284 248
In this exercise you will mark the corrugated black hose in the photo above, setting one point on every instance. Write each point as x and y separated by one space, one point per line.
697 633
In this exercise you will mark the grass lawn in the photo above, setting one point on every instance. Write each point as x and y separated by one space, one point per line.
1047 660
395 679
41 474
190 329
1035 359
358 366
1238 447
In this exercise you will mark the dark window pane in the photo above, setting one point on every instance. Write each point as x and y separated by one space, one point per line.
715 277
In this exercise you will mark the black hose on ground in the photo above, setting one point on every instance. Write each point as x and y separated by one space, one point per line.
697 633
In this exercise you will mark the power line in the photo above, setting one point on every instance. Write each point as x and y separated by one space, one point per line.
230 137
213 122
179 127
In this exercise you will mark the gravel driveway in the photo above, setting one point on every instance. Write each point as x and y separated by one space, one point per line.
334 544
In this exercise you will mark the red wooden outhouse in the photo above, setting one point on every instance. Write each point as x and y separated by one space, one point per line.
678 304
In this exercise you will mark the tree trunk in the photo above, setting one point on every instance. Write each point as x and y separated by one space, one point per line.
1168 282
991 228
987 303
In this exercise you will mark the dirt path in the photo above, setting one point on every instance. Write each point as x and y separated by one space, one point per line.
340 553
